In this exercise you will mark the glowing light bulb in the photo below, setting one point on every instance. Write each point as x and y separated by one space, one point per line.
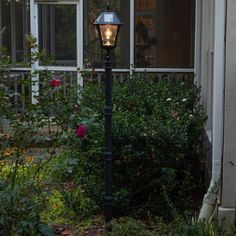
108 33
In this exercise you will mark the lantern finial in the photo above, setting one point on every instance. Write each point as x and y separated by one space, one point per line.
108 6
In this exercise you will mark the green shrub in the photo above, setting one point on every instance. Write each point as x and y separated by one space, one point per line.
157 128
76 201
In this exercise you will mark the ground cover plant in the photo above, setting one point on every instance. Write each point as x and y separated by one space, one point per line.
181 226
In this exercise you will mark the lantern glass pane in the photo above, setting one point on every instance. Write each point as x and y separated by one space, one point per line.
108 34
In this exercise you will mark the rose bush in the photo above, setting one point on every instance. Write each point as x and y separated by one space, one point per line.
31 138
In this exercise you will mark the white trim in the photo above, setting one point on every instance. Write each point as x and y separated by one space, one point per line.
197 52
113 70
202 79
218 88
57 68
34 25
210 198
163 70
50 68
72 68
150 70
21 69
79 41
34 32
56 2
132 5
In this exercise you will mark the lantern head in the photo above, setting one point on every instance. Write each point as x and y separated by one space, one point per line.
108 24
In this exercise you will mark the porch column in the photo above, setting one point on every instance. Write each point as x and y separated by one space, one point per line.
228 198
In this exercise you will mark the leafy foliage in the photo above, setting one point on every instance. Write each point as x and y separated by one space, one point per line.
127 227
181 226
157 128
30 138
184 226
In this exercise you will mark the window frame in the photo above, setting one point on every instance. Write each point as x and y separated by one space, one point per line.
132 52
79 44
164 69
34 20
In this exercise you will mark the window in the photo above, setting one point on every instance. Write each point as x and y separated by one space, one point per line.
15 22
93 54
5 15
57 33
164 33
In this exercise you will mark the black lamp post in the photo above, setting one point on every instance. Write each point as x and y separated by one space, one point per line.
108 25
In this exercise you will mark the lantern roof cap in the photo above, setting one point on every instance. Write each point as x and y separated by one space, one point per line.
108 18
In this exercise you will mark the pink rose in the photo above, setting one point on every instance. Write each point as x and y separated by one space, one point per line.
55 83
81 131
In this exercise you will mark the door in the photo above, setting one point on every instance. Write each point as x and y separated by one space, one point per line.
58 28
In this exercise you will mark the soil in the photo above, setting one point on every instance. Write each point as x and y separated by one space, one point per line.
65 230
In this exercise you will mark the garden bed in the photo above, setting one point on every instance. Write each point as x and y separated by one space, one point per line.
52 176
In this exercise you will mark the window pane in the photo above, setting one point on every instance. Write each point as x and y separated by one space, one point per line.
57 33
15 19
21 28
93 54
164 33
5 12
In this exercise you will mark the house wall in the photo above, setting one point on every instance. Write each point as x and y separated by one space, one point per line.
228 195
206 53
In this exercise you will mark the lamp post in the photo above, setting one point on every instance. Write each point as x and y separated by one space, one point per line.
108 25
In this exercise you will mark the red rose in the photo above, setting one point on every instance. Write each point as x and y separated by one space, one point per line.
81 131
55 83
